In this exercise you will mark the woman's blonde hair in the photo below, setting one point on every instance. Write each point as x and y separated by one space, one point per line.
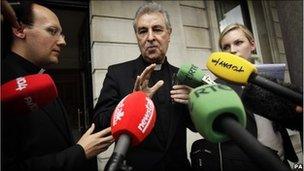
236 26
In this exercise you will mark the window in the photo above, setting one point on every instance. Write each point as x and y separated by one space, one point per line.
229 12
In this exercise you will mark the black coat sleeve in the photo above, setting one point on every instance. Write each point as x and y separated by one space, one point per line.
108 99
70 159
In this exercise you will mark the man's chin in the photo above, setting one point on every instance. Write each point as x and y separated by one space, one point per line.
54 60
154 58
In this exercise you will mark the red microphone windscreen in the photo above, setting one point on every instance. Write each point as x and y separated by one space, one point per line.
28 93
134 115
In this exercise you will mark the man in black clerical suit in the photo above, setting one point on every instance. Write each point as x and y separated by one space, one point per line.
165 147
41 140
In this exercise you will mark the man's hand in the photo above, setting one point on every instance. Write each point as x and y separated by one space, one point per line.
93 144
180 93
142 82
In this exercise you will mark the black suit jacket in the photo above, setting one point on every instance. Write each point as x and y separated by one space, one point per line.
165 147
40 140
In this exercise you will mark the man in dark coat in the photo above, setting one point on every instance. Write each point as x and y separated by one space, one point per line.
165 147
41 140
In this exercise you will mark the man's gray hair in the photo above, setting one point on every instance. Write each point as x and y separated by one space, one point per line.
151 7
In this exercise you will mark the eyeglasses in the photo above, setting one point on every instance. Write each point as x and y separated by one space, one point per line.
51 30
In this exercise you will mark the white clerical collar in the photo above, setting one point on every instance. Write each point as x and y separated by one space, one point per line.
41 71
158 67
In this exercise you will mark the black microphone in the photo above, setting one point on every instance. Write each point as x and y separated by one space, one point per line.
271 106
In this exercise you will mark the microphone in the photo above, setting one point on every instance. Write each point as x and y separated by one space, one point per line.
272 106
193 76
238 70
218 114
28 93
132 121
207 103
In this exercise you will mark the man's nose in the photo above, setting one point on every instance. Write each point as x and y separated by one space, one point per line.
151 36
61 42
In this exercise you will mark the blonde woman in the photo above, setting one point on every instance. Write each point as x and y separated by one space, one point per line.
238 40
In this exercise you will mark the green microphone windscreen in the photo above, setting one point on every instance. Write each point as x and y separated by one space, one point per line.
192 76
208 102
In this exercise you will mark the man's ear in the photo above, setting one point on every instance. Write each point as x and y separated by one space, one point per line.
170 31
19 32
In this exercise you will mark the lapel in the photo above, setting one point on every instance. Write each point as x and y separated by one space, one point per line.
175 114
128 77
138 66
57 114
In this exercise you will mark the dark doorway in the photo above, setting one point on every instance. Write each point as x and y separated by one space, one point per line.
73 73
